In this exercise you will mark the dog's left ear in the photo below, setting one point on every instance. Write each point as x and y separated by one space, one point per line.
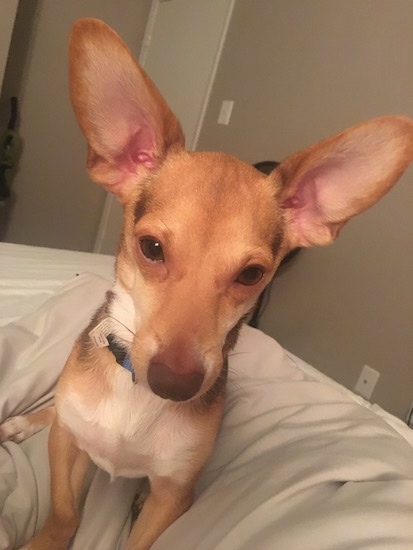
326 185
126 121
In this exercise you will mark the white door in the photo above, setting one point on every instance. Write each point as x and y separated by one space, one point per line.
181 51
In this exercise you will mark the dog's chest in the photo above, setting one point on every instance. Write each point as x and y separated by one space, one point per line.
130 432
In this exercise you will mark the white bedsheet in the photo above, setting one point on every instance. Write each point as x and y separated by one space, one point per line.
30 275
300 463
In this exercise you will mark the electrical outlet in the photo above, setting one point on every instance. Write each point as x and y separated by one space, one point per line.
366 382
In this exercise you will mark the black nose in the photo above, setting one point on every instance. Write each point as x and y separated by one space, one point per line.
169 384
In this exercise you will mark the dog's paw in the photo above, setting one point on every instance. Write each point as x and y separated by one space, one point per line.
16 428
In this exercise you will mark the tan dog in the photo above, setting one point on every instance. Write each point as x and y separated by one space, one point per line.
203 235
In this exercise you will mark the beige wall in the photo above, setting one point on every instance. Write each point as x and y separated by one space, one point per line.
56 205
7 16
300 71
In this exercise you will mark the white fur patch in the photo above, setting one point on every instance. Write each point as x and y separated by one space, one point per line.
132 432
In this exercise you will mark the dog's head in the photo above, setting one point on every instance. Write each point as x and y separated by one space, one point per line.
205 232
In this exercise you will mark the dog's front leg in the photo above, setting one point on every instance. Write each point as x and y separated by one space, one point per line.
68 466
166 502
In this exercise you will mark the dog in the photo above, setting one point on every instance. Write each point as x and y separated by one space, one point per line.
143 389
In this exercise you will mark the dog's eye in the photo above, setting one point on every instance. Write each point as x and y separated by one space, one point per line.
250 275
152 249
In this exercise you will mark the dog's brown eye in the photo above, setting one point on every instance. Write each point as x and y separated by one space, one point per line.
250 275
152 249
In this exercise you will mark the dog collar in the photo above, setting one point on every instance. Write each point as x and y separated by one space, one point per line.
121 355
102 337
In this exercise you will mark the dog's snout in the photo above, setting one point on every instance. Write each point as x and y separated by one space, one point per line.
177 386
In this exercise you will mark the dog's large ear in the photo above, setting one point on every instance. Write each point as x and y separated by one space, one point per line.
126 121
326 185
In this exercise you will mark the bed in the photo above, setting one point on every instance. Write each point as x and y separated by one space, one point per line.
300 463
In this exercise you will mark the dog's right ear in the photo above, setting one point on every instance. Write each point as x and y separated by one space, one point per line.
127 123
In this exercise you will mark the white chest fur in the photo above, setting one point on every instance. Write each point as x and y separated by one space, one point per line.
131 432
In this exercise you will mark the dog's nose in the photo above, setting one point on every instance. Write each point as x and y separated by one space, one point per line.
176 386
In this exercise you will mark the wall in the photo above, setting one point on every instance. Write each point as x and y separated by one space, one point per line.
300 71
7 16
56 205
20 46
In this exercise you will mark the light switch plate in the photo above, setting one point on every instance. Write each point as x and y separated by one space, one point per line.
225 112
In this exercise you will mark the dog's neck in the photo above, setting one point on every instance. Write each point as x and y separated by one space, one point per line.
121 354
113 326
